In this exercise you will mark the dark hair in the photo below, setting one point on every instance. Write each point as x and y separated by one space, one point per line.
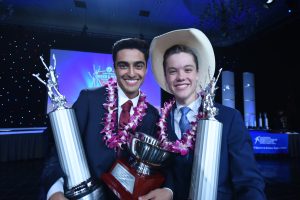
131 43
178 48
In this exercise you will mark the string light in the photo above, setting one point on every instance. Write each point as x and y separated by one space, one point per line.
19 94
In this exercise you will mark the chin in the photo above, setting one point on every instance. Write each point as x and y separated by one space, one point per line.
181 98
132 90
181 94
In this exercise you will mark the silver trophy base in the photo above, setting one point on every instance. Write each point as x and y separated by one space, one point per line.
86 191
97 194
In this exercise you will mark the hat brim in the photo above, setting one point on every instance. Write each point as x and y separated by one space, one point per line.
194 39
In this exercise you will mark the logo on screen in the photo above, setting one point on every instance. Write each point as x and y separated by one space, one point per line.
265 140
100 76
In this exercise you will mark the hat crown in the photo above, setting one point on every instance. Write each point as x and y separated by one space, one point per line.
192 38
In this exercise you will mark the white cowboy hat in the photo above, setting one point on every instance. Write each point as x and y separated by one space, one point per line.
194 39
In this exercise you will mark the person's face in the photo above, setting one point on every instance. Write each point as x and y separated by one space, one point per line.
182 77
130 69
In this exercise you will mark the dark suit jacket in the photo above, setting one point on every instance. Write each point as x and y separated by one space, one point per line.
239 177
90 112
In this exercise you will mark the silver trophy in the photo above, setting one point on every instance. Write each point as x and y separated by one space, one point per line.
79 183
205 172
138 176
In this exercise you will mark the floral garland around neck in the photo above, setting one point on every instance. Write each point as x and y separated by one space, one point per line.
187 142
115 139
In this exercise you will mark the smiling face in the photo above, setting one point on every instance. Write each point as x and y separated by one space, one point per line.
182 77
130 69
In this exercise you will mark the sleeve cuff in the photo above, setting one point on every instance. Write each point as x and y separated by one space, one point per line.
170 191
56 187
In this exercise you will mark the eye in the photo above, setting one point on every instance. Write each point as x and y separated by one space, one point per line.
171 71
188 69
122 66
140 66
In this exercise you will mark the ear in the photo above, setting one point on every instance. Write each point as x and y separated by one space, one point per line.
197 76
146 68
167 84
198 82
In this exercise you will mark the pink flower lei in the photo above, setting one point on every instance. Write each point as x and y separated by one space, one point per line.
187 142
112 138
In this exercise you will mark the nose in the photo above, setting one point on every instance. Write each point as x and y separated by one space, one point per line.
180 76
131 71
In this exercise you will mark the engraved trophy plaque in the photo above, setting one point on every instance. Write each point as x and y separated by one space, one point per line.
129 180
78 182
205 171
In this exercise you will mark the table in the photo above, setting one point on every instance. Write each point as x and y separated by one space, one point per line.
22 143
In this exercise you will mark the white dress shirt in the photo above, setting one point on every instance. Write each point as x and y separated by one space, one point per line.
58 185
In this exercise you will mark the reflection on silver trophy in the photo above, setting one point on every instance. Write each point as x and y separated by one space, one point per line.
205 172
79 183
140 175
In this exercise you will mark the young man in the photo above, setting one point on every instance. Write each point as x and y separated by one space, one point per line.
99 115
183 62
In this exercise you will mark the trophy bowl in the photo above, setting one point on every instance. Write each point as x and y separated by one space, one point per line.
147 153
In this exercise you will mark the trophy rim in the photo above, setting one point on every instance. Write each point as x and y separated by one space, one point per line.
156 146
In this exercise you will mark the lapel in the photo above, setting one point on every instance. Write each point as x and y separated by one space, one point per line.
117 121
170 125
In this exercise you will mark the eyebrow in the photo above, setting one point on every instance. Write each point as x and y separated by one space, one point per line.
189 65
139 62
181 67
135 63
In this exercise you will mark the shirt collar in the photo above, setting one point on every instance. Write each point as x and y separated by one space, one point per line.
123 98
194 106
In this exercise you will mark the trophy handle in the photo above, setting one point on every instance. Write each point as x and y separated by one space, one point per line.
132 146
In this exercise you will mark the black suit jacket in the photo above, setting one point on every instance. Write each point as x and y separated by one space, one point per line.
239 177
90 113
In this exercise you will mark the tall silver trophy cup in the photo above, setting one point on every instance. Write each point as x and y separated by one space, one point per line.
79 183
205 172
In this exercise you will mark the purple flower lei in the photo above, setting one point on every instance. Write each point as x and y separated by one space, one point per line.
187 142
116 139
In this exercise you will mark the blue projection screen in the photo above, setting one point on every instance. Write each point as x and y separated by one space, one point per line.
79 70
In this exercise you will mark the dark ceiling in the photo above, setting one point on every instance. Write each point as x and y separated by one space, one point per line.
225 22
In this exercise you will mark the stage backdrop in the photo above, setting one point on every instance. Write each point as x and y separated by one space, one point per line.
79 70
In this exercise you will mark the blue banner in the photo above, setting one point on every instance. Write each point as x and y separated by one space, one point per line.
269 143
